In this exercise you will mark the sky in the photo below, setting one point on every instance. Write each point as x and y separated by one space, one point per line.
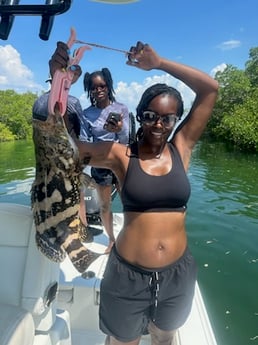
205 34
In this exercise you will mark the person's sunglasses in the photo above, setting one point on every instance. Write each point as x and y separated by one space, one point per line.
150 118
100 87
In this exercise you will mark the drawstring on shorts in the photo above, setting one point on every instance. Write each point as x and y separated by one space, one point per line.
154 286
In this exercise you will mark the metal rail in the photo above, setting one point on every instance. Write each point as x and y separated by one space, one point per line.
54 8
11 8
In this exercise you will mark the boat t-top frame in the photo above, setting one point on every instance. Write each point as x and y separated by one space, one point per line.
11 8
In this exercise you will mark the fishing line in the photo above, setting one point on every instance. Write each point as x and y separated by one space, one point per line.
104 47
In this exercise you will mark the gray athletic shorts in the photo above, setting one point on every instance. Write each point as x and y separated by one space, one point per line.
130 296
103 177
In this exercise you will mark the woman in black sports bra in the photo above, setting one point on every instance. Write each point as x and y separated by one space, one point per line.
149 280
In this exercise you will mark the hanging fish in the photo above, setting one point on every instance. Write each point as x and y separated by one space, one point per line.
55 194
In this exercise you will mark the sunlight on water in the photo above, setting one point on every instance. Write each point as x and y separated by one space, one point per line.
16 192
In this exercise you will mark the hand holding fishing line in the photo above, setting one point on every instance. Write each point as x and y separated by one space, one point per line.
144 57
134 55
61 56
65 69
141 55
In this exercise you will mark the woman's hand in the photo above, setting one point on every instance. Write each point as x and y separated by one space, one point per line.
114 126
144 57
60 59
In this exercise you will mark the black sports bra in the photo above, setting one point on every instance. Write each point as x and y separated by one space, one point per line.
142 192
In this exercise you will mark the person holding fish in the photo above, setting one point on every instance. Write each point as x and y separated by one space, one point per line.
149 280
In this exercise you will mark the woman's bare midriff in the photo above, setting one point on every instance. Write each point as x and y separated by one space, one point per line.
153 239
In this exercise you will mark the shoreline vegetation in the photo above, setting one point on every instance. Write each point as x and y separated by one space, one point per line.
234 119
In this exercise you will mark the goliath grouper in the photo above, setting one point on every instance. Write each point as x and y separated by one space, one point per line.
55 194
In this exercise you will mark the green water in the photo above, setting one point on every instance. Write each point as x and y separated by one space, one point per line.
222 225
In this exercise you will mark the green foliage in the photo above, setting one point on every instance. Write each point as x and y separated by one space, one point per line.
251 67
235 114
243 126
5 133
15 115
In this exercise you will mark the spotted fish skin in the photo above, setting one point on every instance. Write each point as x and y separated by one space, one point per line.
55 194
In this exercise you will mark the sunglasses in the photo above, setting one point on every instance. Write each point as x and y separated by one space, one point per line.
150 118
100 87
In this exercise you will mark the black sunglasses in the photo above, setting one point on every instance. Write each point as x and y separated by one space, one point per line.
150 118
100 87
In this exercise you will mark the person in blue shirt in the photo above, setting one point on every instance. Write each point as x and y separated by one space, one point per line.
96 126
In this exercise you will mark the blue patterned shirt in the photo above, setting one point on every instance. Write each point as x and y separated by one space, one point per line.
93 120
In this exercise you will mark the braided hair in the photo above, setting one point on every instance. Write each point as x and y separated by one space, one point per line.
105 74
147 97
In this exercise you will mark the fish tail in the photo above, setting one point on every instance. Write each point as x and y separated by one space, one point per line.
80 256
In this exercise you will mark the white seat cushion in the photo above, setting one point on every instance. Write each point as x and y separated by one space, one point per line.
28 273
16 326
29 281
15 228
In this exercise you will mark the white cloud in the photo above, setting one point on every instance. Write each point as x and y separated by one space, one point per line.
228 45
13 73
219 68
130 94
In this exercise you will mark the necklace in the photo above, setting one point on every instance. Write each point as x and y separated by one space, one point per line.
159 152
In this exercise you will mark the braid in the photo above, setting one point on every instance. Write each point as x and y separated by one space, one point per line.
109 81
87 84
106 76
